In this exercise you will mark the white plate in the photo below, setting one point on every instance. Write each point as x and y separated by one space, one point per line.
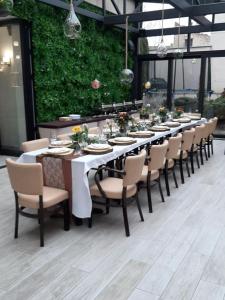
98 146
61 143
58 151
123 139
172 124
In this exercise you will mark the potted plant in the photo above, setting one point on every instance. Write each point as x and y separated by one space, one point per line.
122 120
178 112
144 112
162 113
5 7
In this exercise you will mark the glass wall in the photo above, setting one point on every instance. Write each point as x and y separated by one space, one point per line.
157 76
12 110
186 83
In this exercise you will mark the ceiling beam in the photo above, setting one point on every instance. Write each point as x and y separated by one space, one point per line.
183 6
197 10
183 30
194 54
84 12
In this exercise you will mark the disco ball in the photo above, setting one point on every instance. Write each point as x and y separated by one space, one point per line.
126 76
161 50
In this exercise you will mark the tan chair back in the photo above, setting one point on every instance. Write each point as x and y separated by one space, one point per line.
187 139
94 130
157 156
133 168
215 121
199 132
173 146
25 178
35 145
64 136
208 128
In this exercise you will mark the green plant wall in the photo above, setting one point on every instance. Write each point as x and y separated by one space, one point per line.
64 69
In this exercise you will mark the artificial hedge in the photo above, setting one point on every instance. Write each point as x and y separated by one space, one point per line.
64 69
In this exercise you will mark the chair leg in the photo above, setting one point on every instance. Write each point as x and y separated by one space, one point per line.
201 154
160 190
181 170
197 160
206 156
139 207
66 215
125 218
212 146
107 205
165 171
16 217
149 193
174 177
192 161
208 146
90 222
187 167
41 218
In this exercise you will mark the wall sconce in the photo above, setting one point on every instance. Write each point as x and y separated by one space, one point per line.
6 60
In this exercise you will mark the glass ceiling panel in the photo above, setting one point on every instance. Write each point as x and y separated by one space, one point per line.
197 2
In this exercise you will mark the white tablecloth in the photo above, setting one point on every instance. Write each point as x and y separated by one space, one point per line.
81 198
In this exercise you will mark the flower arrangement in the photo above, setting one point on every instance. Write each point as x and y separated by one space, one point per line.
122 120
162 111
178 112
144 112
80 134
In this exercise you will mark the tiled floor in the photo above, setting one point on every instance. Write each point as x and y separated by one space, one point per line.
178 253
3 158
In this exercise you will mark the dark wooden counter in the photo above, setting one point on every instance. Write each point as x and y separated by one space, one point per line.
63 124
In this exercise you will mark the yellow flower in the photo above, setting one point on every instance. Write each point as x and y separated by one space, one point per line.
76 129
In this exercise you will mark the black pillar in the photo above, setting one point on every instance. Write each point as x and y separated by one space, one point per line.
209 81
202 85
169 84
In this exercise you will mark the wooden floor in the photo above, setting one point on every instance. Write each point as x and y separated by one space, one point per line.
177 253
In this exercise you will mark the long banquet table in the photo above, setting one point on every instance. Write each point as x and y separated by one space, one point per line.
81 198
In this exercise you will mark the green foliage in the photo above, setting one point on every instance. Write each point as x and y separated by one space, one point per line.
64 69
6 4
187 103
215 108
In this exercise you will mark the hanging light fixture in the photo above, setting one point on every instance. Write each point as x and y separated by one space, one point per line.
126 75
72 26
178 52
161 48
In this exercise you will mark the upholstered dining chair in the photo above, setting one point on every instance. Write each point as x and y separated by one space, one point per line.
205 138
151 172
27 183
173 148
183 154
212 128
122 188
35 145
196 146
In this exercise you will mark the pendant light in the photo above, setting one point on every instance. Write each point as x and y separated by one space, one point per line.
178 52
72 26
126 75
161 48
